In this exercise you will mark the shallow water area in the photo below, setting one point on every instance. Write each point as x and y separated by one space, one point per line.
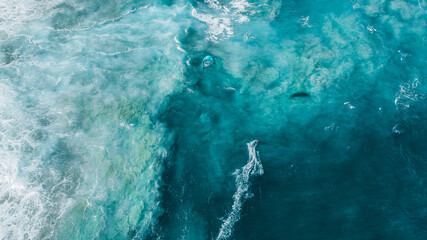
110 127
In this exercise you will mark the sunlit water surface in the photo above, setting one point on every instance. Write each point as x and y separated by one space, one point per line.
111 129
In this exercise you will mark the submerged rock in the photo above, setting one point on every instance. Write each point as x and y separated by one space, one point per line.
300 94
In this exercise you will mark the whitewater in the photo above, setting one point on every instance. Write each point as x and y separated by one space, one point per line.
110 127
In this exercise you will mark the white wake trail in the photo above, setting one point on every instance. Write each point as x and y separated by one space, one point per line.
243 183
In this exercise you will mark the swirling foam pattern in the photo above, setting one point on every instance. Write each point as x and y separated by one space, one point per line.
81 155
111 129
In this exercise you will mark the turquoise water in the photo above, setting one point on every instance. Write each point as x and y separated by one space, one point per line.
111 129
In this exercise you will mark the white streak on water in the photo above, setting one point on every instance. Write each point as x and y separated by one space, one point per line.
243 183
180 49
422 4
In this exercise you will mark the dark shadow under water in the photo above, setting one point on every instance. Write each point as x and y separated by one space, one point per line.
333 168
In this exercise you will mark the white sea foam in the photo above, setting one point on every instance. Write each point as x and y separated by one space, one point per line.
223 18
304 22
219 27
57 179
371 29
422 4
22 206
243 183
408 94
14 14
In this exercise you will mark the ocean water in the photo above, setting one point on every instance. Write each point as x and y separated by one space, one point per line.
111 129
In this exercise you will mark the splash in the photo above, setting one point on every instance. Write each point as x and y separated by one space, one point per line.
243 182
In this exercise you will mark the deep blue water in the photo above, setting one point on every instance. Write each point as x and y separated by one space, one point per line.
111 129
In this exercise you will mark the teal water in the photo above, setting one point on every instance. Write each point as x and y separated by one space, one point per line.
111 129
